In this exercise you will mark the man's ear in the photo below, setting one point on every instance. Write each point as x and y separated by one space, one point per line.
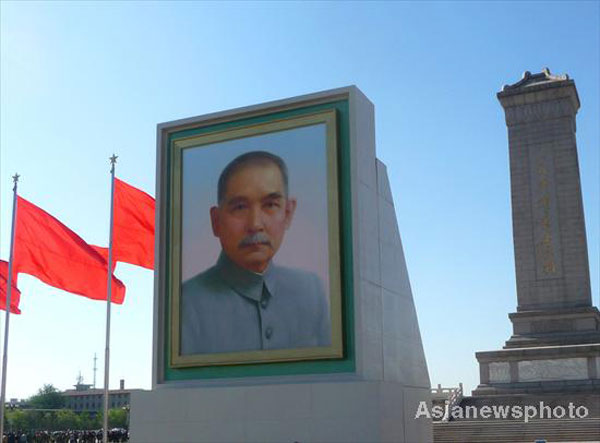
214 220
290 208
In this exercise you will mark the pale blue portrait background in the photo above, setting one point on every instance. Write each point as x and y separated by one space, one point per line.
305 244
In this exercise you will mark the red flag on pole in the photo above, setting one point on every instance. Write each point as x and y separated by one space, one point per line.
104 253
133 234
15 296
48 250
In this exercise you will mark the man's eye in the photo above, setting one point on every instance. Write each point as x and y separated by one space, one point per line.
238 207
272 204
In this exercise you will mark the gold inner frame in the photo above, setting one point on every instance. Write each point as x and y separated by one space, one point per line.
335 350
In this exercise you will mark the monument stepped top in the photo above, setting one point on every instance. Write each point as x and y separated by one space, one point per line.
528 80
536 86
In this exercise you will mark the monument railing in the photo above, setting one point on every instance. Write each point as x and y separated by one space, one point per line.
450 396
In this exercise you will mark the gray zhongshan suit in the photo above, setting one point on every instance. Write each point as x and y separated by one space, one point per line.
227 308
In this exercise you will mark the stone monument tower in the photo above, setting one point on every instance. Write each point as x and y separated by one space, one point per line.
555 346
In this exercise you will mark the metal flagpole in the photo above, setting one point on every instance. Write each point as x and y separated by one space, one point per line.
113 160
8 301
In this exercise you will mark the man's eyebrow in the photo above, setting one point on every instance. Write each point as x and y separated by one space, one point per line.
273 196
236 200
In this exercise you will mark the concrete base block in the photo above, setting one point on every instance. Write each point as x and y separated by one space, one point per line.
357 411
556 369
557 327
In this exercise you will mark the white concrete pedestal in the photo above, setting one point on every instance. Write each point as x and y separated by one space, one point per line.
349 411
375 403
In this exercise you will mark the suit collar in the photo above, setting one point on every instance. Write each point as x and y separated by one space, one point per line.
245 282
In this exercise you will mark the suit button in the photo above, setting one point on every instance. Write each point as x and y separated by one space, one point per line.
264 303
269 332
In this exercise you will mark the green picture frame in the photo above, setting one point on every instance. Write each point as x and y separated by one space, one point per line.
173 138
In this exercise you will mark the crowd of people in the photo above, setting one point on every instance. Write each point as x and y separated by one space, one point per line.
116 435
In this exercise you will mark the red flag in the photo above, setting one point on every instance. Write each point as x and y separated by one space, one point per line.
104 253
48 250
133 228
15 295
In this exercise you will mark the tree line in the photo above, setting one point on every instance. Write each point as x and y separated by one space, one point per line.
46 411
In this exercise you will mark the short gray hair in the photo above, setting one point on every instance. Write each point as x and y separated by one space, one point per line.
250 159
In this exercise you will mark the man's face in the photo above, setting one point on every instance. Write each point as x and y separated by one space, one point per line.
252 218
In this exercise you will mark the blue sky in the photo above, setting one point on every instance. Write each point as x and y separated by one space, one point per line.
81 80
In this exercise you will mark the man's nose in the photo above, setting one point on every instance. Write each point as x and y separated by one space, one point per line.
255 222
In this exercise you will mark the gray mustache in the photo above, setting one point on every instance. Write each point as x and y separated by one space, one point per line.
254 239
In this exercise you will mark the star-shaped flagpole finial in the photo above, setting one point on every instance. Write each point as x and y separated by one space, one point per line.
113 161
15 181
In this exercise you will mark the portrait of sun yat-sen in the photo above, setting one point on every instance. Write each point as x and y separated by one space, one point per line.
259 253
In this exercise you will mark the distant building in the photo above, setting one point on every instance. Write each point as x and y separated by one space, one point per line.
84 398
15 403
